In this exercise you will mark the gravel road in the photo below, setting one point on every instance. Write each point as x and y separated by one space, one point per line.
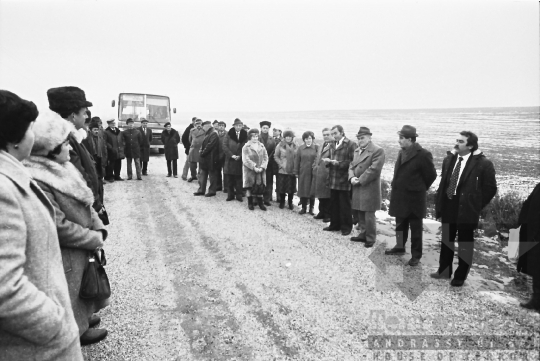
198 278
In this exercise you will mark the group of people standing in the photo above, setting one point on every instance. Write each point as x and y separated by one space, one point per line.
51 228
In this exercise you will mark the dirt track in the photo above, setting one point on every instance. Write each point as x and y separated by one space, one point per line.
198 278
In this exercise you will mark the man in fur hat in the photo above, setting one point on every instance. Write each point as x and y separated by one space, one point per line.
414 173
467 185
232 146
270 145
70 102
94 144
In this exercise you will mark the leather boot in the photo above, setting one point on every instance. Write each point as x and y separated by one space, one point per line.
311 206
534 302
250 203
261 203
291 206
282 200
230 197
93 335
303 202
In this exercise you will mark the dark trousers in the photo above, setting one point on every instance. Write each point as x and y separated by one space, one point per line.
324 207
193 169
113 169
340 210
174 164
99 170
144 167
219 175
415 224
204 174
269 184
465 239
235 184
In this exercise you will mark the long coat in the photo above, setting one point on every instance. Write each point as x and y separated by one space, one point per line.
270 146
170 140
145 144
281 158
37 321
320 185
221 135
115 144
100 148
367 166
209 153
233 146
413 175
185 138
79 228
252 158
196 137
529 235
477 186
303 168
339 174
83 161
132 143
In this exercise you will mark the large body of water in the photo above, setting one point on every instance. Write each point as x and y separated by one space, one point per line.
510 137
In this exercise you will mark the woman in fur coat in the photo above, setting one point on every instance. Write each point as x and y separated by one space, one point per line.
80 231
255 160
286 180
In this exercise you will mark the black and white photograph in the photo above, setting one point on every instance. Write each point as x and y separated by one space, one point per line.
269 180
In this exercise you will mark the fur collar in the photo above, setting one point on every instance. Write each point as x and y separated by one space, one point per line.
78 135
243 135
64 178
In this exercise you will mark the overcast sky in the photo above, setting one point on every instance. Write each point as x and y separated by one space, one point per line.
276 55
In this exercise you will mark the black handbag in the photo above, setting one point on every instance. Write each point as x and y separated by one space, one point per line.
104 216
95 283
258 188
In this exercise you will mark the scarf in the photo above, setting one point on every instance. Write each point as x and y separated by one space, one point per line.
408 153
64 178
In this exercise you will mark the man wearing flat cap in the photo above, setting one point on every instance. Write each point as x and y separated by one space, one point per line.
115 151
196 137
70 102
209 161
414 173
365 177
145 145
270 146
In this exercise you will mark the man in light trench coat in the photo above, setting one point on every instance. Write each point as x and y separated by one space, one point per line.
365 177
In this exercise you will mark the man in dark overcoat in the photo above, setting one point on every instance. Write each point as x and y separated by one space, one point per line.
270 146
414 173
145 145
132 148
115 151
467 185
209 161
222 180
187 144
341 156
94 144
529 248
104 152
365 177
170 139
320 187
196 136
232 146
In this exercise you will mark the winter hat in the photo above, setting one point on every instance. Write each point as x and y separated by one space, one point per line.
288 133
263 123
67 99
253 131
206 122
50 130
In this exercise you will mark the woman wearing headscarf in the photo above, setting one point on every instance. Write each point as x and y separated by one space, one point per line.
255 160
80 231
36 319
286 180
303 169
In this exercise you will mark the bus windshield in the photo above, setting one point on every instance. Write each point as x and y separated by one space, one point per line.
153 108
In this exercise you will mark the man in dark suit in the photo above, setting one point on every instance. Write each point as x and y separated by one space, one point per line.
467 185
209 161
270 146
341 155
145 145
115 151
414 173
